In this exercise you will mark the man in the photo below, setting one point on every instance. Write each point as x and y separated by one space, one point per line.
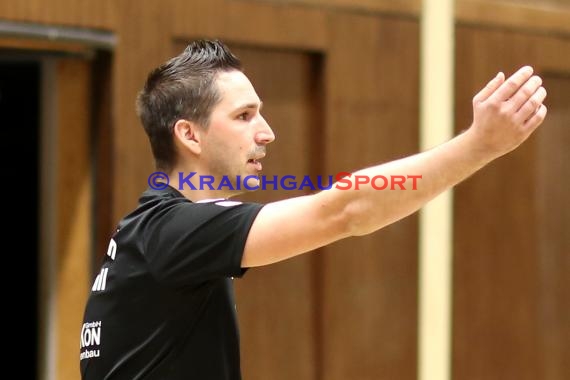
162 306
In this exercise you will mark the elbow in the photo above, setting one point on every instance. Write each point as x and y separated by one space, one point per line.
345 215
357 219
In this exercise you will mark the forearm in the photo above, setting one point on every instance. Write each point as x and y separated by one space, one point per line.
385 200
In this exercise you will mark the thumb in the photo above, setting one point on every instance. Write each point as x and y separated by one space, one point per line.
489 88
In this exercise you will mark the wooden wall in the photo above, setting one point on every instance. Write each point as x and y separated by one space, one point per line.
369 314
72 198
511 266
340 83
99 14
277 305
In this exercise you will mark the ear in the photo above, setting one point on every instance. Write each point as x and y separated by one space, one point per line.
187 133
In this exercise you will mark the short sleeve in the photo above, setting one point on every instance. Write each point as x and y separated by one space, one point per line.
189 243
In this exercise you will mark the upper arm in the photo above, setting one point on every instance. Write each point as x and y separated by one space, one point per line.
293 226
188 243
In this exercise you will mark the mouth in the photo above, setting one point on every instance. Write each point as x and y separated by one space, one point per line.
255 163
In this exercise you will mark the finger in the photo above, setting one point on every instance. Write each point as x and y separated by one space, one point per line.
531 106
489 88
536 119
525 93
512 84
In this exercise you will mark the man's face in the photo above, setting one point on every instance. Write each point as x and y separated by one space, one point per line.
235 140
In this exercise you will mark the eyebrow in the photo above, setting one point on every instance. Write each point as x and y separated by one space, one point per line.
250 105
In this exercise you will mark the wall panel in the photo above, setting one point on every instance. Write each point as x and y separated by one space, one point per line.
539 3
536 17
369 295
142 45
277 304
553 225
267 24
98 14
370 6
505 284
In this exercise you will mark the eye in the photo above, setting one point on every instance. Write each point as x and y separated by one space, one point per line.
243 116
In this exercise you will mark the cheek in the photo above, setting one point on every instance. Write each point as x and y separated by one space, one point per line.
222 152
226 140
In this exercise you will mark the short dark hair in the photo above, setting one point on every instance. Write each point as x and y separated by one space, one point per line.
182 88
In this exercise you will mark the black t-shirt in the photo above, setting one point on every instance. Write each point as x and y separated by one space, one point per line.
162 306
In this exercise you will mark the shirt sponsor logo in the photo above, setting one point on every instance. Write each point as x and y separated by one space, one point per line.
100 280
90 340
112 249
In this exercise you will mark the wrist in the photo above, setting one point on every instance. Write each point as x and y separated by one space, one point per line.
476 148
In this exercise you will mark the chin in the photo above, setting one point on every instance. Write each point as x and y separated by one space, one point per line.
252 183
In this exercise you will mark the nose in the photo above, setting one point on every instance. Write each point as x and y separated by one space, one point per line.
265 134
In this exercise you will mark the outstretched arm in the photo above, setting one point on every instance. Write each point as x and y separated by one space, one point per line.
505 113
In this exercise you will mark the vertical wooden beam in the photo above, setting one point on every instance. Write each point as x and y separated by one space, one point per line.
66 213
73 199
436 115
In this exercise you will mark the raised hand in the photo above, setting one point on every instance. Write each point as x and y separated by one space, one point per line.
506 112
